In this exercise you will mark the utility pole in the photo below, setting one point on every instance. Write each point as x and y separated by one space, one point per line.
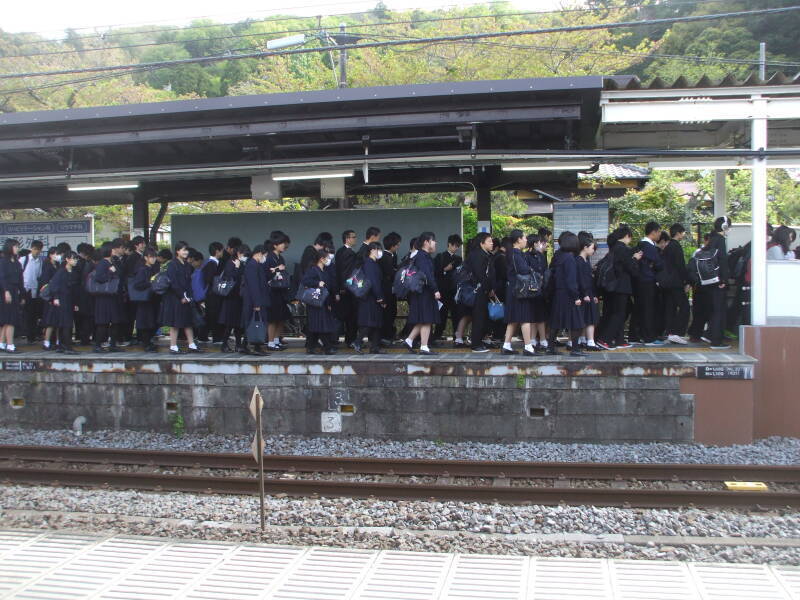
762 61
342 58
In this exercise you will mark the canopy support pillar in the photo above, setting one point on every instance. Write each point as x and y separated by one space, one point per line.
758 253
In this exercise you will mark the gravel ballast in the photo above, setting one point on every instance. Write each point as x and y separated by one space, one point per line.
770 451
409 525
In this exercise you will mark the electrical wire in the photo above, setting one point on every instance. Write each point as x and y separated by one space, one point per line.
392 43
282 19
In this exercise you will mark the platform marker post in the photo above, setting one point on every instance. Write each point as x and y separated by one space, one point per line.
256 406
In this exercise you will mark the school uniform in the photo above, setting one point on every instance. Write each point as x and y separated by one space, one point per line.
63 288
254 292
422 306
498 328
322 323
279 310
645 303
589 310
370 312
388 265
33 310
616 303
130 264
676 304
175 313
145 315
518 310
346 309
48 272
481 265
564 314
447 289
210 269
107 308
230 313
11 281
541 308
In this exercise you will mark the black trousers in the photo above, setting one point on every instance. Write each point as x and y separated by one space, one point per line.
480 317
716 319
31 315
313 339
347 309
676 311
645 309
102 333
616 306
389 331
701 311
449 308
373 334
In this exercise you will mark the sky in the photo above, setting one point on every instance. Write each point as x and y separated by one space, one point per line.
52 17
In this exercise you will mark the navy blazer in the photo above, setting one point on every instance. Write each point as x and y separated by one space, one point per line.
254 284
424 263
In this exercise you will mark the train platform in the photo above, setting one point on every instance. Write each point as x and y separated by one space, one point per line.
58 565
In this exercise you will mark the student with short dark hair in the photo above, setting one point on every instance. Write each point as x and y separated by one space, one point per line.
33 309
211 268
626 267
49 269
275 268
645 293
346 307
63 303
480 264
255 292
322 324
589 300
445 265
146 315
715 292
176 303
675 286
11 290
230 312
84 318
388 265
537 259
107 308
371 305
566 307
518 311
423 311
372 235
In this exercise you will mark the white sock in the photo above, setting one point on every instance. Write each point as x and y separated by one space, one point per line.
459 340
173 347
507 346
569 344
529 347
409 342
276 342
10 347
424 348
590 342
193 346
46 344
543 343
2 345
582 340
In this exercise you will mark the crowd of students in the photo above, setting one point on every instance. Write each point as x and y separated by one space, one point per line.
238 297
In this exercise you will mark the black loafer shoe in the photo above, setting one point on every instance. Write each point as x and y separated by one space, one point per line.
194 351
528 352
427 352
410 349
178 351
508 352
553 351
331 351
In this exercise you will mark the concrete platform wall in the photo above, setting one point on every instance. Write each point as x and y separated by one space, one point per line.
390 397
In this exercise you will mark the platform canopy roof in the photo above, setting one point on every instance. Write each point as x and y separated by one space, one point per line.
432 137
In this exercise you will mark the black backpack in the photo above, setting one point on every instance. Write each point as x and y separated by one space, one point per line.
605 276
706 264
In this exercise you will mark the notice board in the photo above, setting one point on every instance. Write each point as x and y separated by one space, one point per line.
50 233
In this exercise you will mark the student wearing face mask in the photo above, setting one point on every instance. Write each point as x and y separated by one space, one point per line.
322 323
64 302
371 305
176 304
48 320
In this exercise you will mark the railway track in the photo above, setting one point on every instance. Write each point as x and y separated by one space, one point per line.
556 483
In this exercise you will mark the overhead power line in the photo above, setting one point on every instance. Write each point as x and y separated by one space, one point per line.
394 43
676 3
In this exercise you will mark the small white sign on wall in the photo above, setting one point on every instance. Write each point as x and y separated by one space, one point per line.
331 422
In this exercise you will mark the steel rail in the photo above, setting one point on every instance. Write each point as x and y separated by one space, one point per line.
392 491
383 466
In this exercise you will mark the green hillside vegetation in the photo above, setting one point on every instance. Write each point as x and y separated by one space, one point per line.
691 50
